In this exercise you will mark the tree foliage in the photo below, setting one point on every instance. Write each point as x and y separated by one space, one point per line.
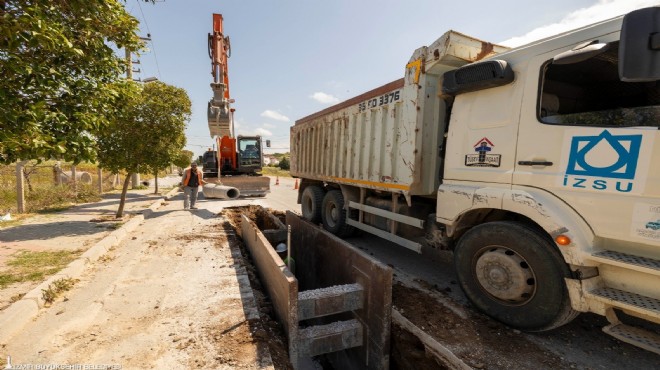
184 159
59 75
147 131
164 111
284 164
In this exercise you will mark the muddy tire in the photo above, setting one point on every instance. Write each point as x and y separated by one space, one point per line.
333 214
311 202
515 275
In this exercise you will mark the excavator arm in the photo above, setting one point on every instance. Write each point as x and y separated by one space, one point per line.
219 110
232 169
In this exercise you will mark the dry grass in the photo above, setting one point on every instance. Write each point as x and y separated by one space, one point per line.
35 266
56 288
275 171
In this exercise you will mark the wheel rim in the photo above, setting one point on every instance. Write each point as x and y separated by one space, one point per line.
505 275
331 214
307 206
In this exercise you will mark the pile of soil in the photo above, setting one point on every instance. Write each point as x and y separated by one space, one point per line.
477 340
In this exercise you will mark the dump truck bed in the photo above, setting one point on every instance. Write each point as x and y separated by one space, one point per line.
387 138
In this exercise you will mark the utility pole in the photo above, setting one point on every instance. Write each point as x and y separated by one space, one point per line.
135 178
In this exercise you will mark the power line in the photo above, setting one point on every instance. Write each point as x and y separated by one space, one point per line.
153 46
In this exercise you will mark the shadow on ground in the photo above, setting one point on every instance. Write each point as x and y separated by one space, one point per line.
51 230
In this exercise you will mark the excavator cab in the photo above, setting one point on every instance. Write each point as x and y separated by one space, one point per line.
250 156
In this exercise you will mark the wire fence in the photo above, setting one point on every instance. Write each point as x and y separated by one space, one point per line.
51 185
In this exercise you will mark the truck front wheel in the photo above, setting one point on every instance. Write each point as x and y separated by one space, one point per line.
334 215
515 275
311 202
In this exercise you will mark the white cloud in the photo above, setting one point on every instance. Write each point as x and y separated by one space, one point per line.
324 98
275 115
263 132
602 10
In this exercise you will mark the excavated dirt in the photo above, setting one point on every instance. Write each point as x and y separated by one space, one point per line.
477 340
271 332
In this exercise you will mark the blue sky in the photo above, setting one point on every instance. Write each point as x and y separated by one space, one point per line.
291 58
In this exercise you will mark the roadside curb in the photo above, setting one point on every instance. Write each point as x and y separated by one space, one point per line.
19 313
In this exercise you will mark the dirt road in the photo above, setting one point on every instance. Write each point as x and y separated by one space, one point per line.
168 297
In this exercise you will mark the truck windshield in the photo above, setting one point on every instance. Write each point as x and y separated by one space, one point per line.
589 93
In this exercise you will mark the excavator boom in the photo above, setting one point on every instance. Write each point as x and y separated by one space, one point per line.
238 160
219 109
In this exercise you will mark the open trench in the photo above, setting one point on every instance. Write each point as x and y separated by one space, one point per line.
407 350
428 330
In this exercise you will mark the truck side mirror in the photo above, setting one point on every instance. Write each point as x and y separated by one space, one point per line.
267 143
639 48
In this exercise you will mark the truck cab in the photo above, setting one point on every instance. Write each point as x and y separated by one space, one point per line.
570 147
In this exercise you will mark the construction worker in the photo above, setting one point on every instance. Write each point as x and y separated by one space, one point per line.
192 179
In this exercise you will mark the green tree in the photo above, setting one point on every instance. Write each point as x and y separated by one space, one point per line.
184 158
284 164
165 110
59 75
146 132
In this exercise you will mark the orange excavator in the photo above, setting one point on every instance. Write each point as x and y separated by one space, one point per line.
238 161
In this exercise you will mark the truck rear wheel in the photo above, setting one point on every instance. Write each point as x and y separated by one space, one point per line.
515 275
311 202
333 214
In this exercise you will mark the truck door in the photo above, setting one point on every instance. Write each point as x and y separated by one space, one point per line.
592 141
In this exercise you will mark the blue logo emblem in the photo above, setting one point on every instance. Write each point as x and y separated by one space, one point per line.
627 147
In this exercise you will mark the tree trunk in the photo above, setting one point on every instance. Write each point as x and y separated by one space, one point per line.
122 201
26 176
156 182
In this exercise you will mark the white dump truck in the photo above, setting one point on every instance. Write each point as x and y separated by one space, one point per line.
538 166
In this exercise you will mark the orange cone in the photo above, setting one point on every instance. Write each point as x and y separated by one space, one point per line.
295 186
277 180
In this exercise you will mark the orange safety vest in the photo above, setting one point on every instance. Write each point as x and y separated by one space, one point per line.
187 179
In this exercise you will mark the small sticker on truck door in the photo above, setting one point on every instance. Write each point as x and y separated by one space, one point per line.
484 157
646 221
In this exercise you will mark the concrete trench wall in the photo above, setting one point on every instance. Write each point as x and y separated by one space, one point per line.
324 260
327 264
281 285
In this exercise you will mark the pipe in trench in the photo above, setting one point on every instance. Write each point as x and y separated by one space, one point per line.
220 191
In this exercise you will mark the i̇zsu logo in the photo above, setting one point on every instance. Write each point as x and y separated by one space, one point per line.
603 162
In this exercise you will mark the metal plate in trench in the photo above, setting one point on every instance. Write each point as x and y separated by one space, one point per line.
323 260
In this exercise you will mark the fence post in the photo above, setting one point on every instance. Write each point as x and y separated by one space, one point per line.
99 172
57 170
73 177
20 186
